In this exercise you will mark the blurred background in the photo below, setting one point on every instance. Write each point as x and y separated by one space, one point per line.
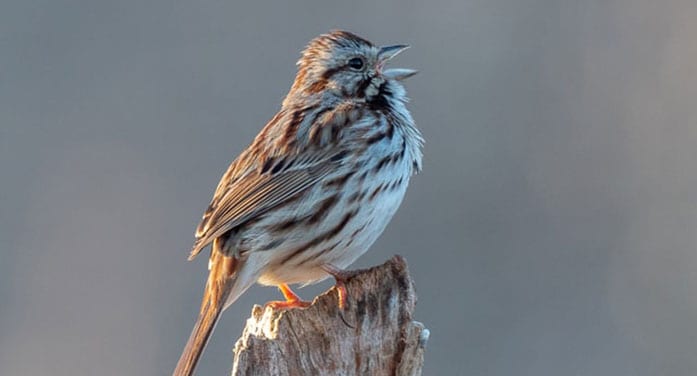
552 231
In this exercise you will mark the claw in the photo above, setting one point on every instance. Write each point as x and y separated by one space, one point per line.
341 292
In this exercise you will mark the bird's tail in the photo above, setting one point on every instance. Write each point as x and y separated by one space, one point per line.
197 341
221 280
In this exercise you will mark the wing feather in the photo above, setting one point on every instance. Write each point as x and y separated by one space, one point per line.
254 193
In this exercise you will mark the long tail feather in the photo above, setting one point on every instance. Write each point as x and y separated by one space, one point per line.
197 341
221 280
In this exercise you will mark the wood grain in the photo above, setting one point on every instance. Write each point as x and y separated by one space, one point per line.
374 335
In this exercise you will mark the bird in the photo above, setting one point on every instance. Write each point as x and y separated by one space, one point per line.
316 187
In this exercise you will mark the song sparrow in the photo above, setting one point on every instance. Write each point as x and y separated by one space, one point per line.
316 187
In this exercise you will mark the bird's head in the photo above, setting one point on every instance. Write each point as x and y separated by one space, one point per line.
347 65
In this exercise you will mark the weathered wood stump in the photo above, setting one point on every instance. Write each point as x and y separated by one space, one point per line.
373 335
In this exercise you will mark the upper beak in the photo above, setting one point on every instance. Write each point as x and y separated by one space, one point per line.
387 53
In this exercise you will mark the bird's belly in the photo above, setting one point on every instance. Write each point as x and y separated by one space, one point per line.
333 241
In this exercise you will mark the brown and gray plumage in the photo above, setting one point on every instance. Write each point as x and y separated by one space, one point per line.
316 187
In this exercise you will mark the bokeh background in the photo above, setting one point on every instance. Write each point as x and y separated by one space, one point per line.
553 230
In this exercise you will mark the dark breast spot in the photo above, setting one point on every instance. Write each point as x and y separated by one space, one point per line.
376 192
321 210
382 163
339 181
403 148
379 102
315 255
328 235
286 225
354 234
272 244
375 138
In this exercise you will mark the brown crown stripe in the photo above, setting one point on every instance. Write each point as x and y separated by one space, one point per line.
322 210
340 37
332 232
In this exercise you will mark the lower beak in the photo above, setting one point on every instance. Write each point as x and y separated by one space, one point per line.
399 73
387 53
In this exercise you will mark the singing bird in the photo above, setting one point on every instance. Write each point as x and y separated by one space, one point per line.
316 187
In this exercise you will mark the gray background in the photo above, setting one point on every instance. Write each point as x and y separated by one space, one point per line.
552 232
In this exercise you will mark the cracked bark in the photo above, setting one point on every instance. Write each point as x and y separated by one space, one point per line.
374 335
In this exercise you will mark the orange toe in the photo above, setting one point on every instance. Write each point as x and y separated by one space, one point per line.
292 300
288 304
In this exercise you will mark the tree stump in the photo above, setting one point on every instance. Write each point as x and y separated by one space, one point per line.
373 335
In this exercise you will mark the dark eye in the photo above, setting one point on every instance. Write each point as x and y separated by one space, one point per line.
356 63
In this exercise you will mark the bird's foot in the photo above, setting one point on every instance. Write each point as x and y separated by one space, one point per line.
341 277
292 300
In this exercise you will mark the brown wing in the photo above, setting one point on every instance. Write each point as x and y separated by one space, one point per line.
260 190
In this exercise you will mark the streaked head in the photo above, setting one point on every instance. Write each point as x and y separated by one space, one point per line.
346 64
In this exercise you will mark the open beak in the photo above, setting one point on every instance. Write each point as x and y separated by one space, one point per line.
387 53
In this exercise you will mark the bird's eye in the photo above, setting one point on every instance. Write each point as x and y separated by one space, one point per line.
356 63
